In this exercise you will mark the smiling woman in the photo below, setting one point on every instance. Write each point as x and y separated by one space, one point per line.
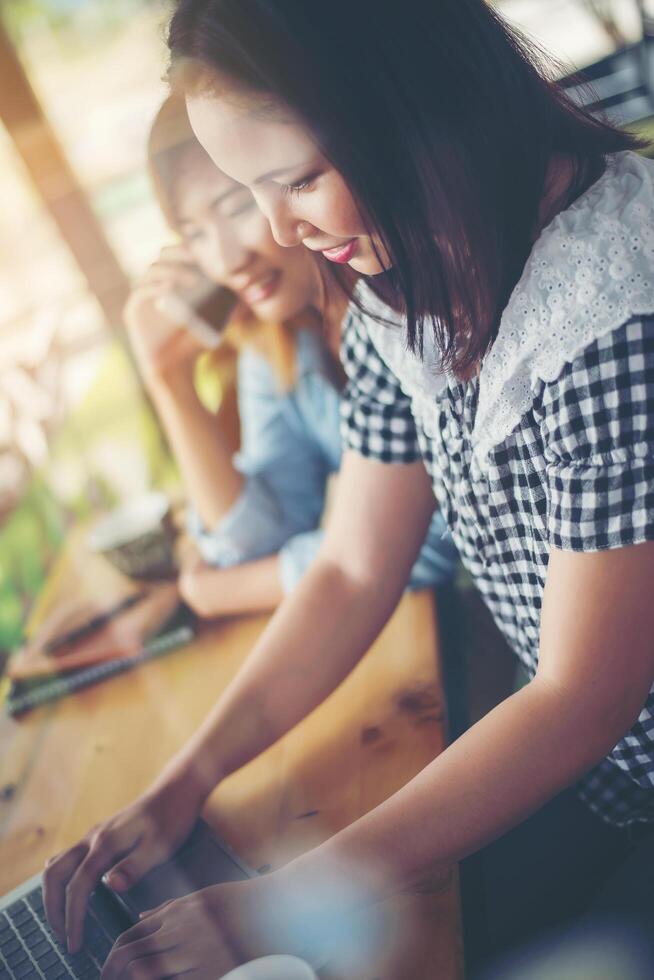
226 234
414 177
500 359
256 521
303 196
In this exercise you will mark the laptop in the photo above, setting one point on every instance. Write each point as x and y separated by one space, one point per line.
30 951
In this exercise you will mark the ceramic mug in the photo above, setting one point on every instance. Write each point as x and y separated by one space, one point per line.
273 968
138 537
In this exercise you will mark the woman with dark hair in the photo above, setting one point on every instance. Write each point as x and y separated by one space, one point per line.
500 355
254 519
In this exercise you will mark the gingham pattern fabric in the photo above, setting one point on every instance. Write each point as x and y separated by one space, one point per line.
375 415
577 473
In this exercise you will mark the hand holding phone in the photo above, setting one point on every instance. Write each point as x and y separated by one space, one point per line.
204 310
174 313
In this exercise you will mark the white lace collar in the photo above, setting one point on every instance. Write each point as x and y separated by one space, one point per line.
420 378
591 269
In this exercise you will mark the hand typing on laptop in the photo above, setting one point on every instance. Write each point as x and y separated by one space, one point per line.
124 848
211 930
207 933
281 915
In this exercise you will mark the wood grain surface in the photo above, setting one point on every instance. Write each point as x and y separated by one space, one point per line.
66 766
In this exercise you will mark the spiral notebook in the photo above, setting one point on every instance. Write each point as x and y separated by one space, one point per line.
30 693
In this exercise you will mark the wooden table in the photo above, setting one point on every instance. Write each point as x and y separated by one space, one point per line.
68 765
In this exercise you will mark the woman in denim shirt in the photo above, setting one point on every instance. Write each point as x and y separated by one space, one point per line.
255 518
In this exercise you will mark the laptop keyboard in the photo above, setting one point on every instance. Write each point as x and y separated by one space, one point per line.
29 951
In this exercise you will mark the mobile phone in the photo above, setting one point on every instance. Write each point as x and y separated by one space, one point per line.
204 310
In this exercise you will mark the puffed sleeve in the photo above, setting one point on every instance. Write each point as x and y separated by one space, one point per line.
376 417
597 424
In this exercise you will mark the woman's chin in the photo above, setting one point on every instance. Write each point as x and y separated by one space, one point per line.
277 309
366 265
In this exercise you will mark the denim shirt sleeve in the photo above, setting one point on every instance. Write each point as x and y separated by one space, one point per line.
285 474
296 556
435 565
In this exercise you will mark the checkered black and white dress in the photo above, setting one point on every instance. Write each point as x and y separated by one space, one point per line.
552 445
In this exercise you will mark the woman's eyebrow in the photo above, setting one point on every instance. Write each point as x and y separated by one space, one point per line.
277 173
237 189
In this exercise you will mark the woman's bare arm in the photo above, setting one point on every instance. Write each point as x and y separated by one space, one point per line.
595 672
253 587
166 353
378 522
377 525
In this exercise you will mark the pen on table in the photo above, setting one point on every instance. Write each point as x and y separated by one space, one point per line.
93 624
65 684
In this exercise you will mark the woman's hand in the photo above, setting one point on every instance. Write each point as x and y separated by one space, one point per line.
124 847
205 932
251 587
314 914
209 932
162 345
197 586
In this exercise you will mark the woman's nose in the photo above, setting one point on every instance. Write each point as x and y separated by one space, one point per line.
285 227
228 254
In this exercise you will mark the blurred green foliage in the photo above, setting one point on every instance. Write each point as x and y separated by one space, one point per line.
112 428
645 129
64 16
33 533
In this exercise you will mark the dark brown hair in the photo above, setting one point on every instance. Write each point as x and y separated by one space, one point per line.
441 119
170 139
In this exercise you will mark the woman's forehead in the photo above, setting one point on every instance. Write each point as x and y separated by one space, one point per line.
199 181
246 143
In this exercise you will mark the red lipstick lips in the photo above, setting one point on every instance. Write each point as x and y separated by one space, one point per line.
342 253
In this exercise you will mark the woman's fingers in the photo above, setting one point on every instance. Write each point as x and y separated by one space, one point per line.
153 967
70 878
171 268
200 936
104 851
58 872
174 273
146 854
153 911
174 268
143 929
169 942
147 291
177 253
150 956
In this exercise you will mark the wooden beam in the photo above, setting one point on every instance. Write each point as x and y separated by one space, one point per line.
57 185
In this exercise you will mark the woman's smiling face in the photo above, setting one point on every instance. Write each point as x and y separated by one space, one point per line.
301 194
231 241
